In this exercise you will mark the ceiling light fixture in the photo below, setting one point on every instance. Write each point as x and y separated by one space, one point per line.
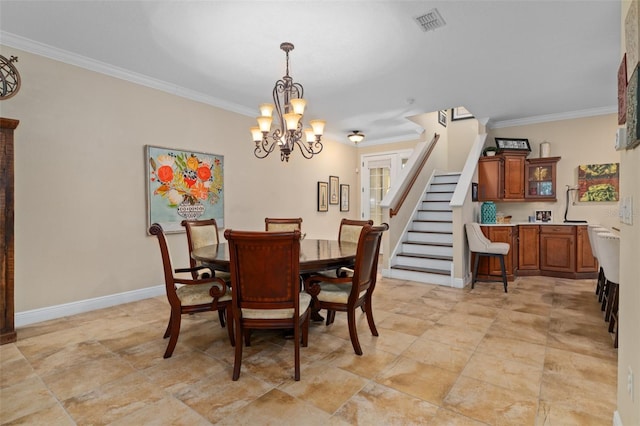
355 136
289 105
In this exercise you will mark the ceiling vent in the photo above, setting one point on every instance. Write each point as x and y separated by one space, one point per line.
432 20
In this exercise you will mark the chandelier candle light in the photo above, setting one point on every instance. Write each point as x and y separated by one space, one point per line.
289 105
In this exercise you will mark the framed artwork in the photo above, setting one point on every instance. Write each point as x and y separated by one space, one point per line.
599 182
344 198
183 184
513 144
632 38
334 187
442 117
622 91
323 196
543 216
460 113
633 123
474 191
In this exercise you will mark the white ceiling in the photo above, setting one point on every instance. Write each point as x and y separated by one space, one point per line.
365 65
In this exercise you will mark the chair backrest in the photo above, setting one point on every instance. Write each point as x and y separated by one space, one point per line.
592 230
609 255
365 269
282 224
265 269
167 265
478 243
200 233
350 229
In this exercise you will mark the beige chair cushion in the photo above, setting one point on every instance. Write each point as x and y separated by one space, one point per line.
283 227
305 300
478 243
335 293
203 236
350 233
198 294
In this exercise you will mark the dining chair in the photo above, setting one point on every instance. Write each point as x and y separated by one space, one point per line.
346 294
482 246
349 232
265 286
203 233
189 295
282 224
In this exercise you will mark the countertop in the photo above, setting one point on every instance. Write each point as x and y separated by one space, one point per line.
533 223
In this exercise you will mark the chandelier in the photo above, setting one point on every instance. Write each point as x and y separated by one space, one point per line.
289 105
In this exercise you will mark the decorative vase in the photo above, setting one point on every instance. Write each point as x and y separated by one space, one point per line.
190 208
488 212
545 149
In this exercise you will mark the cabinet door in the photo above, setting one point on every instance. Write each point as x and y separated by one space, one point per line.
490 179
557 248
514 177
529 247
540 179
585 262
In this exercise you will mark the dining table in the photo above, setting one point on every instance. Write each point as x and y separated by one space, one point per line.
315 255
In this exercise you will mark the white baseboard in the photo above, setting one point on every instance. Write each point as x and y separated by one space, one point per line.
58 311
617 421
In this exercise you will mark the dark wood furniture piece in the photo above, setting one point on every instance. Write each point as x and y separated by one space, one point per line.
202 233
557 249
528 250
346 294
315 255
7 307
510 176
264 296
282 224
349 232
540 179
195 295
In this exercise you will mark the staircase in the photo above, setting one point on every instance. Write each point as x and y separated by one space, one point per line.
426 251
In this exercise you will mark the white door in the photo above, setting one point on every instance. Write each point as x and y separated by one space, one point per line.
378 174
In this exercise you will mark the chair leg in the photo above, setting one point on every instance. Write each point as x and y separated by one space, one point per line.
331 316
613 312
221 316
237 362
353 332
296 351
175 331
305 330
475 271
504 273
230 329
167 333
610 296
369 312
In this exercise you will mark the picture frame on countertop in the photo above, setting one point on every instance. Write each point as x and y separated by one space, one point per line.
323 196
334 190
474 191
513 144
543 216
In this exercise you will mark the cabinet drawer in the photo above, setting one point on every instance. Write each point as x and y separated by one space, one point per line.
556 229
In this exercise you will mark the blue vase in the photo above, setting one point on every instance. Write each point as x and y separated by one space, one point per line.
488 212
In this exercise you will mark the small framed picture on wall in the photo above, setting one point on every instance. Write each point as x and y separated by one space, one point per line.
344 198
323 196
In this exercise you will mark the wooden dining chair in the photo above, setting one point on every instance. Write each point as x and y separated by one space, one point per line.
346 294
203 233
282 224
350 232
189 295
266 293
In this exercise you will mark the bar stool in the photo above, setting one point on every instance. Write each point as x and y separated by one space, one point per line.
591 232
482 246
609 250
603 298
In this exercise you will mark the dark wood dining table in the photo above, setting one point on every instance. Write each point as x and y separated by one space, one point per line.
315 255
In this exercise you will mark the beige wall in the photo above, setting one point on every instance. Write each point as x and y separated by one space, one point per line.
80 211
578 141
629 349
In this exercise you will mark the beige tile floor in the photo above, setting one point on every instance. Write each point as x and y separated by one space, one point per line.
539 355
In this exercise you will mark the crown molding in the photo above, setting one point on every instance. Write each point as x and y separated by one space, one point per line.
613 109
41 49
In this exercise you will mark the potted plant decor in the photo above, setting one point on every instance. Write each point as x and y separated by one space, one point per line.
490 151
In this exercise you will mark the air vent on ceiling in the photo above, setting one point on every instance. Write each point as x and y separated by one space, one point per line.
432 20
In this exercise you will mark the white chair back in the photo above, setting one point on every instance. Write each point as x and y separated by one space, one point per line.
609 255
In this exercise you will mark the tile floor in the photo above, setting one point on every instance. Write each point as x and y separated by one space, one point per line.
539 355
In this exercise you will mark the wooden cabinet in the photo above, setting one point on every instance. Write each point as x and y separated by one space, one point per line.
489 267
7 326
557 248
528 249
585 262
501 177
490 178
540 179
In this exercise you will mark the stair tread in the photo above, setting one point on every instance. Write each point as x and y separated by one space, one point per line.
434 221
429 244
425 256
425 270
432 232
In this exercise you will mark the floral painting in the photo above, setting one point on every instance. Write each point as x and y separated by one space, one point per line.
599 182
183 185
